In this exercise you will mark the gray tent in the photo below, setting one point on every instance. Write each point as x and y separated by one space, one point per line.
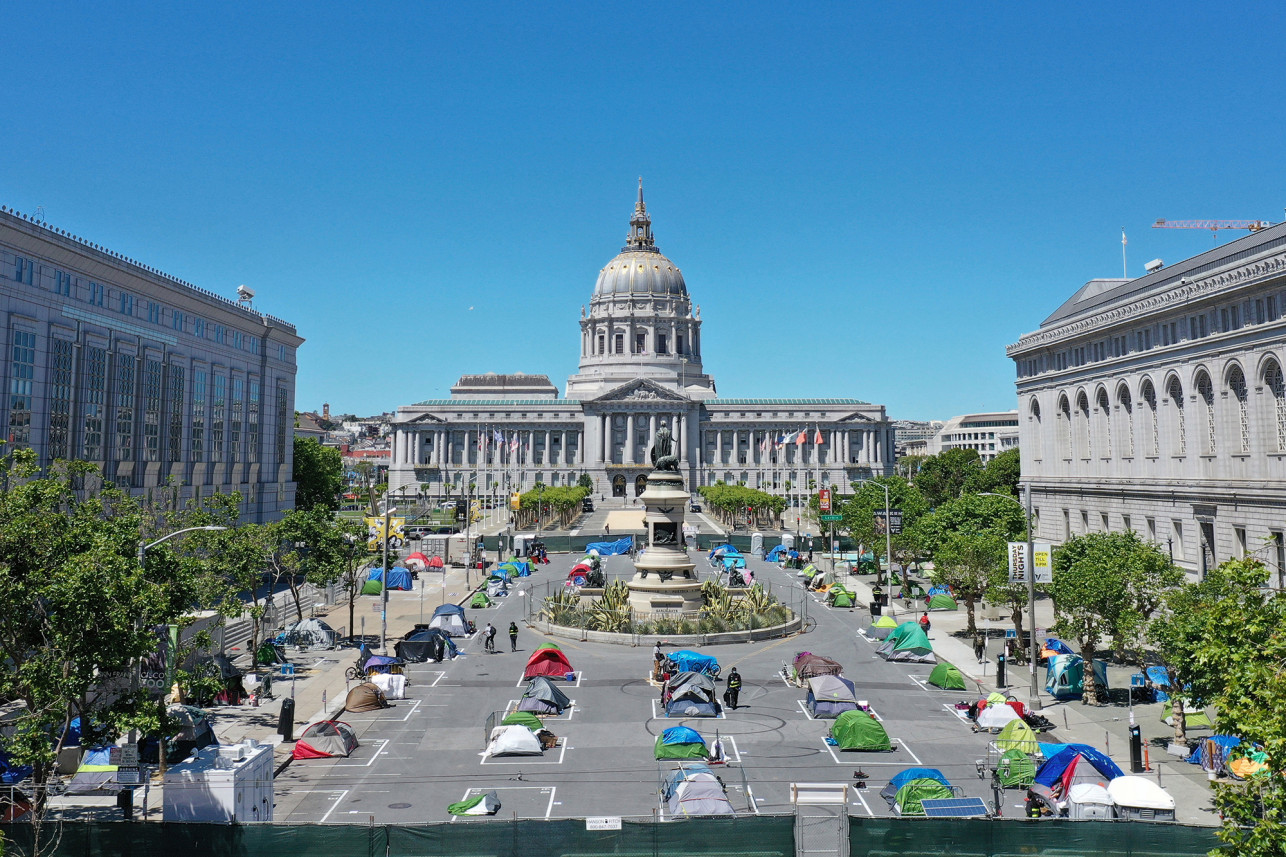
689 694
542 697
696 791
830 695
312 633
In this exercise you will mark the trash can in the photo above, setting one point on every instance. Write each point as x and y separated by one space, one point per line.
875 609
286 721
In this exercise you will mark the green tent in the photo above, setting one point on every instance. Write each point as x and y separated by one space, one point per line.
857 730
1017 735
942 601
484 804
909 798
1015 770
909 643
549 646
840 597
680 742
523 718
480 599
946 677
506 570
1193 718
372 587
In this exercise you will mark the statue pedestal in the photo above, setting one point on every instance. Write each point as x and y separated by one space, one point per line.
665 583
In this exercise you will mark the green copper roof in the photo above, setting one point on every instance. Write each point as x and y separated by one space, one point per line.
758 402
465 404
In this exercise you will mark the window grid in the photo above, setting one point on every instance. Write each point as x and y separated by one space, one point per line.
234 422
96 293
127 303
282 400
153 383
1150 399
1066 412
198 415
23 362
95 387
1205 390
1106 410
60 399
1176 398
125 407
1127 412
217 417
1083 412
1273 379
252 423
176 413
1237 381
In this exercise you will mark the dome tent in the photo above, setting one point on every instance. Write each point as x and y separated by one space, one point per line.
1076 763
694 790
543 697
900 779
857 730
514 741
909 799
479 600
942 601
548 660
907 643
680 742
882 627
425 643
947 677
325 739
450 618
829 696
808 665
365 697
996 717
689 695
523 718
1017 736
398 577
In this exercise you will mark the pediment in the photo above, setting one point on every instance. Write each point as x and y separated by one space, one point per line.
422 419
857 418
641 391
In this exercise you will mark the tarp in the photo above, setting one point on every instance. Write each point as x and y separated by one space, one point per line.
1015 769
398 577
1017 736
909 798
383 664
721 551
808 665
543 697
620 546
695 791
365 697
857 730
1218 743
1053 646
947 677
901 778
680 742
325 739
514 741
11 773
996 717
547 660
942 601
1071 758
1139 792
687 660
689 694
775 555
450 618
484 804
829 696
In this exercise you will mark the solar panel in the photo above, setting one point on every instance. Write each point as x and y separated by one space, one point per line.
959 807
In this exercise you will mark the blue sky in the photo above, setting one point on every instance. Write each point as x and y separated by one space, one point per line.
866 200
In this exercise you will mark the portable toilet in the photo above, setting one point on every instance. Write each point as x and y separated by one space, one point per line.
788 541
757 544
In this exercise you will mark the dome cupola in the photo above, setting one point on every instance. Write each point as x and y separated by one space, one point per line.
640 268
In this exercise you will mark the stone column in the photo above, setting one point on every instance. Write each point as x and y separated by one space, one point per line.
718 447
549 450
651 427
628 457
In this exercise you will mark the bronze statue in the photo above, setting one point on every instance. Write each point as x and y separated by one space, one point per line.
662 454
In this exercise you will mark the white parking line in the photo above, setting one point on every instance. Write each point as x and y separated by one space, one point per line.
865 806
401 719
804 708
663 716
560 682
865 761
960 713
383 745
337 802
512 706
549 808
907 747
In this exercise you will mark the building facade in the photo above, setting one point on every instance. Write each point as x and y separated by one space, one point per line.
641 367
157 382
1157 405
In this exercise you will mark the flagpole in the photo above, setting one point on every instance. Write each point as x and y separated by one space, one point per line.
1125 272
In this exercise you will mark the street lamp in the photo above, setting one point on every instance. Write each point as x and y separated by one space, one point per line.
1034 700
888 539
388 511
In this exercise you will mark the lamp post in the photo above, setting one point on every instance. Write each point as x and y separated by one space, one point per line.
388 511
1033 700
888 539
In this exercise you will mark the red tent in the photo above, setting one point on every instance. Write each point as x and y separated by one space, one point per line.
579 574
417 555
325 739
547 660
435 562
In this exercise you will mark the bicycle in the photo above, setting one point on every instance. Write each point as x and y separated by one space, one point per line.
489 645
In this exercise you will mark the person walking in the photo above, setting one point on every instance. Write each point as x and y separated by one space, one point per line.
489 638
979 647
513 636
734 688
924 622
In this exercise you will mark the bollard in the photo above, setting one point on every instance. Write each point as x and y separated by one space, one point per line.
286 721
1147 761
1136 751
1000 670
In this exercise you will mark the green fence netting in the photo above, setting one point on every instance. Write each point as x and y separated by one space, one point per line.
885 837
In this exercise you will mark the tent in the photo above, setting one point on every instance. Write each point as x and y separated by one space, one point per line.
717 553
807 572
435 562
523 718
365 697
579 575
505 571
808 665
450 618
695 790
398 577
548 660
1065 676
425 644
383 664
909 798
942 601
686 660
193 730
483 804
1089 801
680 742
1140 798
838 596
521 566
947 677
996 717
1017 736
689 694
1211 752
1053 647
543 697
829 696
776 554
900 779
620 546
325 739
1015 769
96 773
372 587
271 653
514 741
479 600
882 627
1076 763
939 589
310 633
857 730
1193 717
497 587
907 643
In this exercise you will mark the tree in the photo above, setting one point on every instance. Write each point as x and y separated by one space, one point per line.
859 513
305 546
586 481
1000 475
318 475
1104 583
943 477
77 609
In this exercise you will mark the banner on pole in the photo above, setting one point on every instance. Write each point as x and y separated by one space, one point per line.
1018 562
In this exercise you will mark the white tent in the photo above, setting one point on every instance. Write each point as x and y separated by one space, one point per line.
514 741
996 716
1139 793
698 793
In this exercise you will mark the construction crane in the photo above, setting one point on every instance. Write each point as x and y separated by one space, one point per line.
1212 225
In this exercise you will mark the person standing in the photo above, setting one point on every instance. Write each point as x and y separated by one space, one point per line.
734 688
513 636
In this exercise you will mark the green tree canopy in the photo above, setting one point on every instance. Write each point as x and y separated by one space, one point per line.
944 476
859 513
1000 475
318 475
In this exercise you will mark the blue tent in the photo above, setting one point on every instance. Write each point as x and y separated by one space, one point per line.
690 661
398 577
723 550
1058 647
1065 676
681 735
730 561
11 773
1227 742
776 553
938 590
521 565
890 791
620 546
1053 769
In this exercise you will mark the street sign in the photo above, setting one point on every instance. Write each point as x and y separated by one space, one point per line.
894 526
1018 562
824 500
832 517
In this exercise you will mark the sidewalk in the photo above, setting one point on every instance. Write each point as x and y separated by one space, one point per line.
1104 727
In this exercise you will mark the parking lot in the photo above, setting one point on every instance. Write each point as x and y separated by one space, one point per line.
425 752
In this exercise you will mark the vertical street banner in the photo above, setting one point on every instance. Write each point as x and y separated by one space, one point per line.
824 499
1019 564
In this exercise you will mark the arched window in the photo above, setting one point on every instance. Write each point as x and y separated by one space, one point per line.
1105 420
1149 395
1175 392
1237 383
1127 414
1065 413
1273 381
1206 393
1083 415
1034 411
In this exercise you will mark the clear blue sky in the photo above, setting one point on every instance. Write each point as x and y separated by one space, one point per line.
867 200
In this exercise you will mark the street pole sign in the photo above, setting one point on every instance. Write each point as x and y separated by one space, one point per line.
891 526
832 517
1018 563
824 500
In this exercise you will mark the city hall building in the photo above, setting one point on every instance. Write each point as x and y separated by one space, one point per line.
1158 405
165 386
641 367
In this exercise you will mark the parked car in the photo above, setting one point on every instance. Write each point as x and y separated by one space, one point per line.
586 504
695 507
